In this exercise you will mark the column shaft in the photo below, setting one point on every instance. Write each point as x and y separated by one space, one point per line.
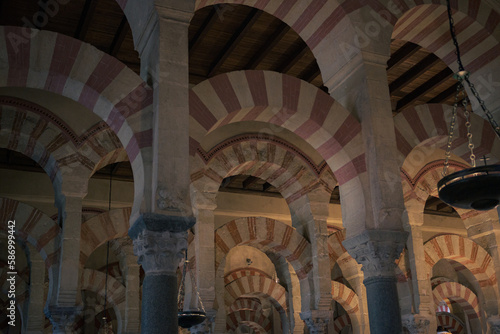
382 297
159 304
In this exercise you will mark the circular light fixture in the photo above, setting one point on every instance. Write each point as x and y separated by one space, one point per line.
188 319
475 188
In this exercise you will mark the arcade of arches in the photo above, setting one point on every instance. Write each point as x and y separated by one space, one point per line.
297 170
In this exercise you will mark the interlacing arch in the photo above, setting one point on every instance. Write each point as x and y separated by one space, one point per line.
469 256
257 286
450 322
234 319
41 60
101 228
94 280
349 301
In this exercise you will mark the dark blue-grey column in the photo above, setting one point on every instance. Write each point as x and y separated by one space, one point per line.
377 251
160 243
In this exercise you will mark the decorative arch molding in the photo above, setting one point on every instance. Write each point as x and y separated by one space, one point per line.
241 272
249 318
450 322
340 323
467 255
256 286
99 229
427 125
34 227
273 163
92 78
271 236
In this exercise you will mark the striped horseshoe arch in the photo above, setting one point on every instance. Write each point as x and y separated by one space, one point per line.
450 322
284 101
247 317
271 235
40 59
340 323
34 227
465 254
428 124
459 294
99 229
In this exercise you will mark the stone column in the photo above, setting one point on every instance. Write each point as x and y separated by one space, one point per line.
377 251
160 242
417 324
62 318
36 319
69 270
132 321
316 321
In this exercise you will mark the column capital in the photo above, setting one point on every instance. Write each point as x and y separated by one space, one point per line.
416 324
377 251
62 318
316 321
160 242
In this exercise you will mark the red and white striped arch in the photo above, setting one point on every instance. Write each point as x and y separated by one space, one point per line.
470 258
66 66
451 323
94 280
271 235
281 100
475 25
252 304
99 229
256 286
34 227
335 247
340 323
241 272
459 294
249 318
428 125
345 297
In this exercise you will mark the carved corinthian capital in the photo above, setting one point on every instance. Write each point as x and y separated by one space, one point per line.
160 242
377 251
316 321
416 324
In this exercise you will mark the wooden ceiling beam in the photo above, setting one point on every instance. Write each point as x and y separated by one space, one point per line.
413 73
270 43
293 60
203 30
85 19
445 95
310 74
266 186
424 88
121 32
226 182
249 181
403 53
234 40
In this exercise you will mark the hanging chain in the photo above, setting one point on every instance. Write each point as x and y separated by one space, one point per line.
469 134
193 280
451 131
461 68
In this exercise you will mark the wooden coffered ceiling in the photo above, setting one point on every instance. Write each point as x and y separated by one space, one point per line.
225 38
